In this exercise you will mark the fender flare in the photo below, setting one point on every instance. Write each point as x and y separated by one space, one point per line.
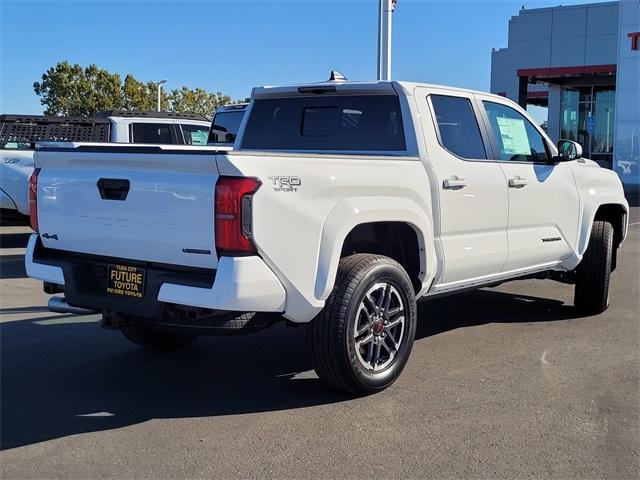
589 215
354 211
590 209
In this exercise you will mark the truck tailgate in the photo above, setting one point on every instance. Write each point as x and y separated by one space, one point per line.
135 202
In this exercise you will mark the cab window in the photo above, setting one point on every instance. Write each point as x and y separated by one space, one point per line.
195 134
225 126
458 126
326 123
516 138
159 133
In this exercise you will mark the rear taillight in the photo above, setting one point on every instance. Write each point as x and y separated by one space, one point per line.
233 210
33 199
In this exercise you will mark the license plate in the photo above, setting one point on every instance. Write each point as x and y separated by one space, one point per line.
126 281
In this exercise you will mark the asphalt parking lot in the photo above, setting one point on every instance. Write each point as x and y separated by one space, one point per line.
503 382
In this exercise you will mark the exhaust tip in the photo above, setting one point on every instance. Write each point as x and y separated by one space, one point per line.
60 305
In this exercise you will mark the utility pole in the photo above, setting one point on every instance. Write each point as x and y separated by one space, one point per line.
160 91
385 11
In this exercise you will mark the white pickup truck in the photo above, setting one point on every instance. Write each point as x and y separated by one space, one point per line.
340 204
19 135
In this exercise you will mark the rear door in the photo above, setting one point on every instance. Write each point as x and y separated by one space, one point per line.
543 197
135 202
472 192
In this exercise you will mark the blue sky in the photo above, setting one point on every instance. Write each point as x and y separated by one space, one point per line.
233 45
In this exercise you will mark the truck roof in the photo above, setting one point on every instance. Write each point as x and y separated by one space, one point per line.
355 87
153 114
230 107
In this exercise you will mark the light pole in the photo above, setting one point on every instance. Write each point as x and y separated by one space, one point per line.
385 9
160 91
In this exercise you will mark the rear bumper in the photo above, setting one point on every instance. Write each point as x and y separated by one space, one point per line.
240 284
41 271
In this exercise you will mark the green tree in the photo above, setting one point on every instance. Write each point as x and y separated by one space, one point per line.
73 90
142 96
196 101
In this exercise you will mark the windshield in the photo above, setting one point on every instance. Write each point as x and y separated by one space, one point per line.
227 121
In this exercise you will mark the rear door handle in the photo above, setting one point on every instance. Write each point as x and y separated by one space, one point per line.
517 182
454 183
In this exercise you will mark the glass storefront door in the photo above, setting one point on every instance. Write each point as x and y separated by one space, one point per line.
569 122
587 117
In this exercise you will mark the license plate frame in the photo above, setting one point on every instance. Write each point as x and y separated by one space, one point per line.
126 281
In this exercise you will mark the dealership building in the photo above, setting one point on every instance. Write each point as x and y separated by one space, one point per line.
582 62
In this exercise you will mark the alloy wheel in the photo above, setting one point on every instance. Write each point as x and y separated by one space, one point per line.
379 327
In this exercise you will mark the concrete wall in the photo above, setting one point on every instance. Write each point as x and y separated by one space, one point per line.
572 36
578 35
626 148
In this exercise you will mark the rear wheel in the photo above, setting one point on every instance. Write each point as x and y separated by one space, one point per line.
593 272
362 339
156 339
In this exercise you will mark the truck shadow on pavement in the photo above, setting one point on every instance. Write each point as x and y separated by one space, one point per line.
64 375
487 306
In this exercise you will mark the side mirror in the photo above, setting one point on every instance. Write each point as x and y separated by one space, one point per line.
569 150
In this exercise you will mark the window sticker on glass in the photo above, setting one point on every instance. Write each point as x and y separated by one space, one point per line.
199 137
514 136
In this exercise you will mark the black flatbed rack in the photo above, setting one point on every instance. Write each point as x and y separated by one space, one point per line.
46 128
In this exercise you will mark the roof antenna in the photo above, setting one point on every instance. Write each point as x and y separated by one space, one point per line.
336 76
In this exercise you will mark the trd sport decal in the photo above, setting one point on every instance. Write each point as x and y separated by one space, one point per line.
285 184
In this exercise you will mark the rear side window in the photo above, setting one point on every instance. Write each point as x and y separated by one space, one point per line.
458 126
326 123
195 134
152 133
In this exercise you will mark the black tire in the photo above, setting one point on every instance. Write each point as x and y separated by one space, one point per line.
593 273
332 335
156 339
